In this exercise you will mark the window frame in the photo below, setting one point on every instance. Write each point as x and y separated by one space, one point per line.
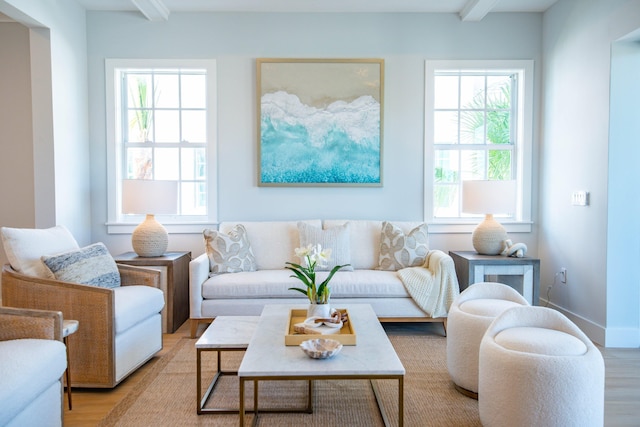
523 150
118 223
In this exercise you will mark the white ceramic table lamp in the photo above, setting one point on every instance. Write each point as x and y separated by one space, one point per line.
489 198
141 196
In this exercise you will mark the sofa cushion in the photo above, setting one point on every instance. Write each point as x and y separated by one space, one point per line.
92 265
25 246
335 238
28 367
365 239
399 250
134 304
276 284
229 252
273 242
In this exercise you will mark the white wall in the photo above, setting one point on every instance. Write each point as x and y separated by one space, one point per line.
623 238
16 162
575 156
58 164
404 41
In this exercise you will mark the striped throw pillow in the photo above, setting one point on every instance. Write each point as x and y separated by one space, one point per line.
92 265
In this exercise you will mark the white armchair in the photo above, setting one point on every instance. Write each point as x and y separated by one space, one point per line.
32 362
120 328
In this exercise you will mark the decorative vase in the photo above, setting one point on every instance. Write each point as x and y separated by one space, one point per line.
319 310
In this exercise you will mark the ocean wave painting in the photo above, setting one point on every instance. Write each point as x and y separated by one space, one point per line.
332 141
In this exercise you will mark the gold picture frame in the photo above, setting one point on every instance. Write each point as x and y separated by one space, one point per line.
320 122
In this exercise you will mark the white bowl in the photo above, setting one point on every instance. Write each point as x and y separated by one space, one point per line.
321 348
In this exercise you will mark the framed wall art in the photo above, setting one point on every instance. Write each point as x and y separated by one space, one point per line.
320 122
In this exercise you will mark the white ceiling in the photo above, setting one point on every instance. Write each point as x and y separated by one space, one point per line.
469 10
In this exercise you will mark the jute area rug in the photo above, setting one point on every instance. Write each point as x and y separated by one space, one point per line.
166 396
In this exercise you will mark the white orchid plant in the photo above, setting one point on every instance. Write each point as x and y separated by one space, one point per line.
313 256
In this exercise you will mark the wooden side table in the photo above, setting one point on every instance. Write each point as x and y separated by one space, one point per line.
522 274
174 269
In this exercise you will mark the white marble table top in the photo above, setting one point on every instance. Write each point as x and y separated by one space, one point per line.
228 332
267 355
69 327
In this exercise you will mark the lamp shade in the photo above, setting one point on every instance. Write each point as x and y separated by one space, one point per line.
150 238
143 196
489 197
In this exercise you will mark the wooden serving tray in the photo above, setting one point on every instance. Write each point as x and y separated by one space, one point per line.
346 335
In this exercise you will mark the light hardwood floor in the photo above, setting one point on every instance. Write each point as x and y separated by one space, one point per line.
622 388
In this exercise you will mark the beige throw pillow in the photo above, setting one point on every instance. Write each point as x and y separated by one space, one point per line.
336 238
398 251
25 246
229 253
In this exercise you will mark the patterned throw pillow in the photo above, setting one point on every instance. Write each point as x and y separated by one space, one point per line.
229 253
92 265
398 251
335 238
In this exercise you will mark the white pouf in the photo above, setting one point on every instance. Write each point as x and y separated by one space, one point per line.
470 315
538 369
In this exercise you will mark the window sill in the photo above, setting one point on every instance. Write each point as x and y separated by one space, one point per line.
459 228
185 228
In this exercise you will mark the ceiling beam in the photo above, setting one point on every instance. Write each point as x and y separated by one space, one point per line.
153 10
475 10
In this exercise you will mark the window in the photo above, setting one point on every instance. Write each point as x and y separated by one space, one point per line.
478 125
161 126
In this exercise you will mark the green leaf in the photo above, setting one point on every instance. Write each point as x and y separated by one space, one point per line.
301 276
302 291
334 270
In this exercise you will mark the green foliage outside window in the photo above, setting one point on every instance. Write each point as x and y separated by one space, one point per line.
498 122
482 121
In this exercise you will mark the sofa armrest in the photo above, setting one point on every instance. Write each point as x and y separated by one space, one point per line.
132 275
20 323
437 259
198 274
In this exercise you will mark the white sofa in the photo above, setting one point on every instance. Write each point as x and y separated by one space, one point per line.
273 244
32 361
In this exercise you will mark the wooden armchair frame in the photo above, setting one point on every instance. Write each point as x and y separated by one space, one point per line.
92 354
20 323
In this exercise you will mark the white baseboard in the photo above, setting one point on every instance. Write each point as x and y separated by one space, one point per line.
606 337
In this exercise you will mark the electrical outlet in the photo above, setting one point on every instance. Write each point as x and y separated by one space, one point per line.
563 275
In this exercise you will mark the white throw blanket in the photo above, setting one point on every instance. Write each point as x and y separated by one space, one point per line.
433 286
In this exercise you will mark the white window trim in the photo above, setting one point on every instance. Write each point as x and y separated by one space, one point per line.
116 223
524 153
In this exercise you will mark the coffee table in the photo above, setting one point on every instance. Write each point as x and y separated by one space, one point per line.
268 358
226 333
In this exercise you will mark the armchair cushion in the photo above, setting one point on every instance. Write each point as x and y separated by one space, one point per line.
134 304
28 367
92 265
24 247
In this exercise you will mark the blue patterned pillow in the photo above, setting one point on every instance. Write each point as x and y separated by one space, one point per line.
92 265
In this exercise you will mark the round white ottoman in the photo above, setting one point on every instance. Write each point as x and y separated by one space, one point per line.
538 369
469 316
